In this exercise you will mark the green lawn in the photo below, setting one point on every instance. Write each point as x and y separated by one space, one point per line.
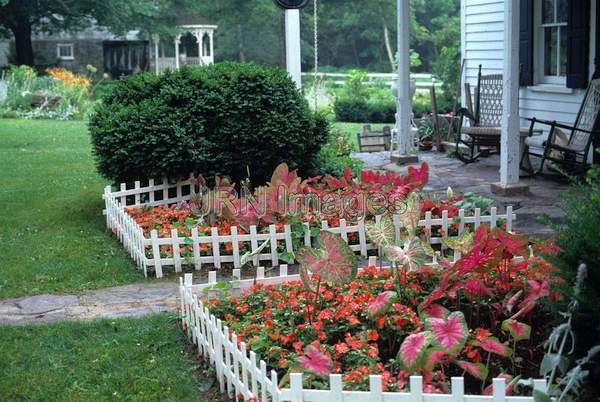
351 129
52 232
121 359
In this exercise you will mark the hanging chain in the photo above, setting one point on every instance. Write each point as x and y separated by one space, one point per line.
316 33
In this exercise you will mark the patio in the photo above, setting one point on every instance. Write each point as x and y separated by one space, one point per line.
541 200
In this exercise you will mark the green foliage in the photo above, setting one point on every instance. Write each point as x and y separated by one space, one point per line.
22 84
226 119
329 162
578 238
118 359
446 64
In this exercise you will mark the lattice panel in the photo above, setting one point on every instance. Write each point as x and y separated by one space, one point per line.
490 100
587 117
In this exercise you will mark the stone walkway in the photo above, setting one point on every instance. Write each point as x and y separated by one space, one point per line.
123 301
476 177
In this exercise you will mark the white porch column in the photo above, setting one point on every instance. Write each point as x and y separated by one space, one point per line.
177 42
403 101
156 39
510 147
292 45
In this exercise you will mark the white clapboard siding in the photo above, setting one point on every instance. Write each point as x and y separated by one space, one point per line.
482 42
146 251
239 371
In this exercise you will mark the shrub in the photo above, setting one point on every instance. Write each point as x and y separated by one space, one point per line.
578 238
226 119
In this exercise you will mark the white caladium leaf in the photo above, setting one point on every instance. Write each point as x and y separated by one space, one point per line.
382 233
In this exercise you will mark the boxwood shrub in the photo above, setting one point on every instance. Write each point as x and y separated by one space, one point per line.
226 119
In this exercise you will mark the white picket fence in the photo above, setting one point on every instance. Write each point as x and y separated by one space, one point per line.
242 374
146 252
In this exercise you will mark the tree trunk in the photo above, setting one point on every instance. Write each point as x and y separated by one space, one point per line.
388 46
241 53
23 46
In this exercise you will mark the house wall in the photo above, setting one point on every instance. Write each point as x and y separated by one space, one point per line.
482 42
85 51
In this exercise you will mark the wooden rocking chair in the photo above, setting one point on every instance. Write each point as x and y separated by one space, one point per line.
566 146
484 128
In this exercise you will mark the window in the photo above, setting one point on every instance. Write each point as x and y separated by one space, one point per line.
64 51
551 41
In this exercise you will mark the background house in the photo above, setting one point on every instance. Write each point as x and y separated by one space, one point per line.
558 51
126 54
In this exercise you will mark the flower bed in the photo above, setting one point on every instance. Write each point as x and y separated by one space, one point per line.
478 316
160 226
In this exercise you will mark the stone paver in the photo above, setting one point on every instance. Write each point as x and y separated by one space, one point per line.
444 172
123 301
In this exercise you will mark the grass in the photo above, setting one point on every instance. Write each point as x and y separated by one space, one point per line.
52 232
121 359
351 129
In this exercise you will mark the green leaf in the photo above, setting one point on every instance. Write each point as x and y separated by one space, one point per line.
288 257
540 396
248 255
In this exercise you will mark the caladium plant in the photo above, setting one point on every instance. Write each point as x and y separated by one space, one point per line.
413 350
382 303
382 233
518 330
315 361
491 344
332 260
449 333
477 370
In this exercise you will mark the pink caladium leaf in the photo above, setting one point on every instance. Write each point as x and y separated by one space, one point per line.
477 370
434 356
333 261
493 345
517 330
449 333
413 349
436 311
315 361
381 303
513 244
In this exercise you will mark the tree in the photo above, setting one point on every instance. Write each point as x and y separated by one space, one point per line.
23 18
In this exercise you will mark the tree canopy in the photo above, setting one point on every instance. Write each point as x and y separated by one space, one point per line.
351 32
23 18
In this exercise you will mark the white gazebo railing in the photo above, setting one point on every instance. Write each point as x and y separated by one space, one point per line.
203 49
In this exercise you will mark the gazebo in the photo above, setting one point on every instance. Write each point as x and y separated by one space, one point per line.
193 45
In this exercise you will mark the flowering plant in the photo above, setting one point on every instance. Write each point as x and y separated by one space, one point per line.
479 316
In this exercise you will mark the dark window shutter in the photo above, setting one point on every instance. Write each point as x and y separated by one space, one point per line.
597 47
526 43
578 40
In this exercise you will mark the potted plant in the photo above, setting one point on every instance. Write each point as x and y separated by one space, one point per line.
426 135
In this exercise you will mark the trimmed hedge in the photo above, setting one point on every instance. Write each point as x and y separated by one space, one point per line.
225 119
